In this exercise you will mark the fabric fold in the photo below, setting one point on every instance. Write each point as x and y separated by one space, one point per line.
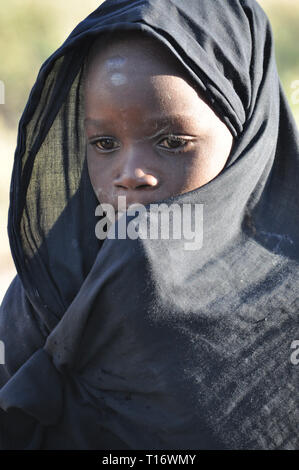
36 389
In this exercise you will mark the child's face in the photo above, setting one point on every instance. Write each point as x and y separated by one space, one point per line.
149 134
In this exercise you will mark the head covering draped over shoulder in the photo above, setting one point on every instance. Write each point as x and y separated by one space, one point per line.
140 343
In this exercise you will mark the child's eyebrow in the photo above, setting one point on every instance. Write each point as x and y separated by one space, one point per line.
154 121
185 119
94 122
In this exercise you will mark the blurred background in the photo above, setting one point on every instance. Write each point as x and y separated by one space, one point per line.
31 30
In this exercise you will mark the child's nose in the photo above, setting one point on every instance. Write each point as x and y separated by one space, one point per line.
134 175
135 180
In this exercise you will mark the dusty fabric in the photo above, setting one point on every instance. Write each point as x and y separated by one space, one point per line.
138 344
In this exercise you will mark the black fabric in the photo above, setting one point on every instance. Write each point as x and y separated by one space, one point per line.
138 344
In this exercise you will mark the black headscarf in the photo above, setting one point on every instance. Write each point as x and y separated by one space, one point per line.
137 344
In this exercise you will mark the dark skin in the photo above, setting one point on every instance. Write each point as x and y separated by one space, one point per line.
149 134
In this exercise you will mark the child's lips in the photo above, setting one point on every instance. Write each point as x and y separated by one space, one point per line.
130 206
143 196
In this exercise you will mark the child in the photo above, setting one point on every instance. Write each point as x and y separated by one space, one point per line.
140 343
169 140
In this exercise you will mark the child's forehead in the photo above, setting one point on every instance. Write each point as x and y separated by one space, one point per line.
116 60
112 50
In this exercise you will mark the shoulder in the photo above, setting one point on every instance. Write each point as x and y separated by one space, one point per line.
21 331
13 293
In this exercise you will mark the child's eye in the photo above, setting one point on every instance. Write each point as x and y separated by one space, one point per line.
105 144
174 143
